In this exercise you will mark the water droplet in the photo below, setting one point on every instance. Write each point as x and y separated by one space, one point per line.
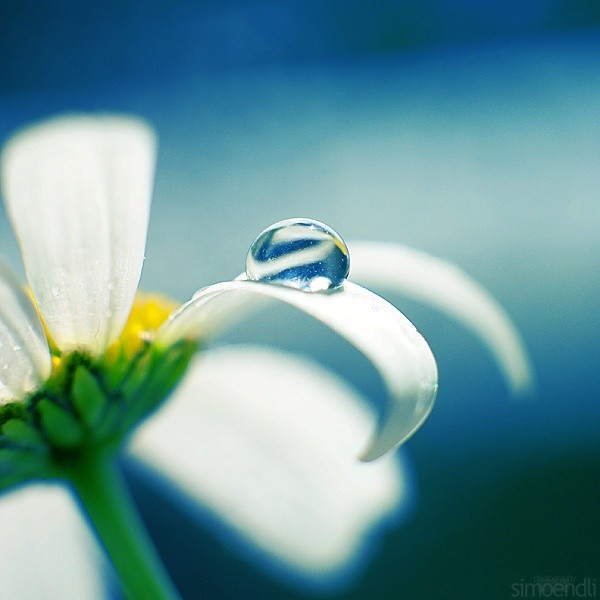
299 253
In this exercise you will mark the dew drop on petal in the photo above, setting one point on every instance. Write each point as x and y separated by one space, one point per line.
299 253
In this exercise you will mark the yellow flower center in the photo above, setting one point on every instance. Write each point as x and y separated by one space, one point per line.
148 313
90 401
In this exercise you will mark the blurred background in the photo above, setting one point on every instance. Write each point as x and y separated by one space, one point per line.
470 130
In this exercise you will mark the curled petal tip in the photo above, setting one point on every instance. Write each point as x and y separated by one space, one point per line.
441 284
377 329
525 386
386 436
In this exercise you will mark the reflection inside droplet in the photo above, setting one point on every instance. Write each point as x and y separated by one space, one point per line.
299 253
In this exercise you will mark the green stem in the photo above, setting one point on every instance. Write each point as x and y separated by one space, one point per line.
106 502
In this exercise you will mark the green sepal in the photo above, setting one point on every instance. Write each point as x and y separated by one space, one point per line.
19 432
87 407
61 427
24 454
108 428
12 410
22 464
89 398
115 371
159 373
17 458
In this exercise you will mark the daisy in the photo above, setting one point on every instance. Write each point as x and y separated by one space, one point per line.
84 359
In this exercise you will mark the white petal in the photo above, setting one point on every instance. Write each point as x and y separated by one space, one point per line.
381 332
47 551
268 442
24 355
418 275
78 191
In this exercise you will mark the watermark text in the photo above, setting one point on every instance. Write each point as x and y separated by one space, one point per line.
561 586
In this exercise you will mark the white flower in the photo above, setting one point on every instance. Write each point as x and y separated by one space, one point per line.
266 442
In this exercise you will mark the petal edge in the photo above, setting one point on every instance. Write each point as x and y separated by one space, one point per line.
376 328
24 354
443 285
77 190
280 474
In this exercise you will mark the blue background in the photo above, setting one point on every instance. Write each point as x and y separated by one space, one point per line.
470 130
